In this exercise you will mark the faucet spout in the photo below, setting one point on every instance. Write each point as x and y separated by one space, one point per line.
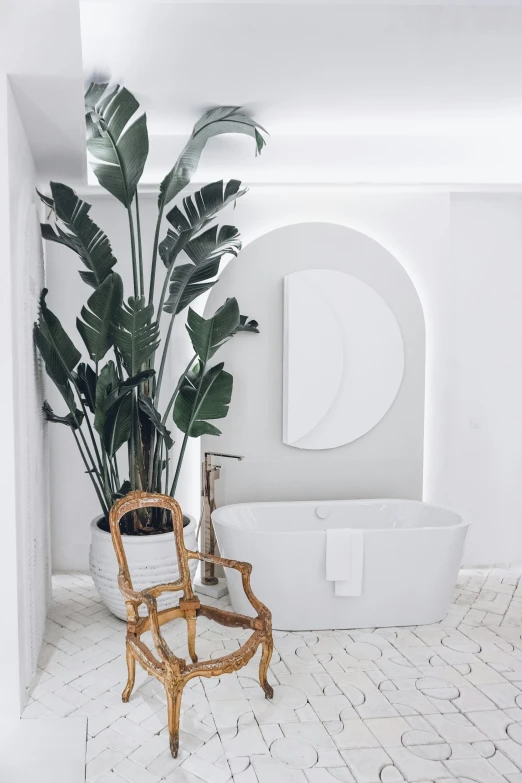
217 454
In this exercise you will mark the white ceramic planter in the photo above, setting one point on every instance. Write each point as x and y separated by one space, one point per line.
152 561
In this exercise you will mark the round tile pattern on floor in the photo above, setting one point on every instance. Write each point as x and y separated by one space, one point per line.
289 696
436 688
294 753
355 694
363 651
426 744
514 731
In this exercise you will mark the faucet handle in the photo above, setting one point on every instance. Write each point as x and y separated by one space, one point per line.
218 454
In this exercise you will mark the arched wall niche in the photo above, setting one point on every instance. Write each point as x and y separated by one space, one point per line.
386 461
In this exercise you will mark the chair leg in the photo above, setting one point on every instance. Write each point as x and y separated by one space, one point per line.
131 668
173 709
191 632
268 647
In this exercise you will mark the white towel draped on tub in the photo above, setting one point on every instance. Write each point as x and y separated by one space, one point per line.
345 560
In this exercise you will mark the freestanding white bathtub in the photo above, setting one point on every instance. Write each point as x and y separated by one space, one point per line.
412 553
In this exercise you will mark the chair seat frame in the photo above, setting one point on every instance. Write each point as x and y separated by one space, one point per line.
174 672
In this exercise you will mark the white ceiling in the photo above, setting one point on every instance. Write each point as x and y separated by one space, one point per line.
409 92
40 50
314 69
417 92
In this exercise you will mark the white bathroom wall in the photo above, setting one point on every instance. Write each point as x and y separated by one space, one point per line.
11 675
40 73
448 244
387 460
413 227
31 452
25 555
482 475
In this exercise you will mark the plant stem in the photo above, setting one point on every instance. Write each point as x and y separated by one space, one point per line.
89 427
156 475
116 472
164 288
150 472
88 470
112 473
133 252
164 358
178 467
167 461
136 451
140 251
85 444
155 256
186 436
178 387
131 451
118 363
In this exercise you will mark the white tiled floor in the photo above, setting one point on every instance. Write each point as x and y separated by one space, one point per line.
432 703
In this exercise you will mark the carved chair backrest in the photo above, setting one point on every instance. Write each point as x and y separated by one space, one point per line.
134 501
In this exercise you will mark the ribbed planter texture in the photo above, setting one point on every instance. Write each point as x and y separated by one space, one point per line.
152 561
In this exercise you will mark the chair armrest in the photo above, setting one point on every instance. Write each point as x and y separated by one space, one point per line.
138 596
245 570
148 597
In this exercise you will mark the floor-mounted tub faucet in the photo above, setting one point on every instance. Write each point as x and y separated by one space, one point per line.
210 474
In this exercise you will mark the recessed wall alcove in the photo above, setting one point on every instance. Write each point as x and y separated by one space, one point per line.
385 461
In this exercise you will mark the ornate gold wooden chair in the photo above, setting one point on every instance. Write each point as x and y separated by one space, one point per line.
172 671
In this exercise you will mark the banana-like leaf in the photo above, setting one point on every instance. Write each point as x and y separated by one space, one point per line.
106 393
97 325
59 353
188 281
213 243
135 336
86 383
72 420
200 399
117 139
209 334
82 235
247 326
205 249
136 380
198 211
118 424
109 389
225 119
147 407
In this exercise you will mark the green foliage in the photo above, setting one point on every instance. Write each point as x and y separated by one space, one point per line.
72 420
75 229
117 424
209 334
97 327
118 141
203 396
136 335
205 250
59 353
113 399
225 119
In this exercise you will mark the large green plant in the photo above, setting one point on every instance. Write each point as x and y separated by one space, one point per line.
113 399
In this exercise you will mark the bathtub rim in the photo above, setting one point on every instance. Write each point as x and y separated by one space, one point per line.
217 516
